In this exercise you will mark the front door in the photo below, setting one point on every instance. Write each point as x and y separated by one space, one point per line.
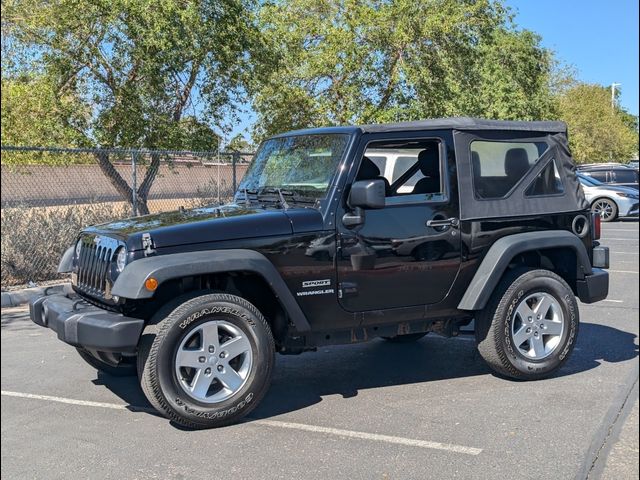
407 253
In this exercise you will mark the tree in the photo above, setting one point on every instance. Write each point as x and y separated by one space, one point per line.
597 133
34 114
240 144
155 74
354 61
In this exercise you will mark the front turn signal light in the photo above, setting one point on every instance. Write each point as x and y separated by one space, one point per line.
151 284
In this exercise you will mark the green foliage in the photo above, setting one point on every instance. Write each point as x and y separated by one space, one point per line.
354 61
597 133
156 74
240 144
34 113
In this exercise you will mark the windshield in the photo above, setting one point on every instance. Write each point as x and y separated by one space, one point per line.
591 182
304 164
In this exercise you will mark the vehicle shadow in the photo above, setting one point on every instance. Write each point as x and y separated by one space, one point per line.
302 381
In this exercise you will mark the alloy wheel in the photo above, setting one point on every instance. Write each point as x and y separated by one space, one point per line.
537 326
213 361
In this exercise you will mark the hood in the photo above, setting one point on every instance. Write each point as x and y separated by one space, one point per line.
210 224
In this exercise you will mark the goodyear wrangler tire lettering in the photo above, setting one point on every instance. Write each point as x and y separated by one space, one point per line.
545 339
209 311
163 382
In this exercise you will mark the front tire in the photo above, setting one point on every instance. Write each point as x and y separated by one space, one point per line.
209 362
530 325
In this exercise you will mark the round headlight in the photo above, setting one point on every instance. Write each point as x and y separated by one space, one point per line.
121 259
78 248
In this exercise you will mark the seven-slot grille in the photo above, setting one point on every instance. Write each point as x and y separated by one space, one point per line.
94 265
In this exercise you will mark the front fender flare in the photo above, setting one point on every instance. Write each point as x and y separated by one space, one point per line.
505 249
130 283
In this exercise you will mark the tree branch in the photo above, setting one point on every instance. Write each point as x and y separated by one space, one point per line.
114 177
186 91
149 177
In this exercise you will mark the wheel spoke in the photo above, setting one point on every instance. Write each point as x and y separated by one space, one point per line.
552 328
201 384
524 311
521 336
210 335
189 358
537 345
236 346
230 378
543 306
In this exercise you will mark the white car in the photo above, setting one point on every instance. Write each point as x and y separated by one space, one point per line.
609 201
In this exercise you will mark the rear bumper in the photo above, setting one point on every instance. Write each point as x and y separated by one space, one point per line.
594 287
83 325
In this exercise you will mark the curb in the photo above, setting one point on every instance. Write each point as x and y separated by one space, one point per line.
20 297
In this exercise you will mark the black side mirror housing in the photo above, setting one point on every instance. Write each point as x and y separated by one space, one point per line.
367 194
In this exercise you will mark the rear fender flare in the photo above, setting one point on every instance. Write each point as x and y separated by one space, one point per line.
497 260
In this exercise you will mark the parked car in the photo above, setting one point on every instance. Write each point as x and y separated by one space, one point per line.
633 164
321 246
608 201
612 174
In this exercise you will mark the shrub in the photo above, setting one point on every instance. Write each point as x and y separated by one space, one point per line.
34 239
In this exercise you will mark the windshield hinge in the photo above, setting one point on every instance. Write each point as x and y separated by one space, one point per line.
147 244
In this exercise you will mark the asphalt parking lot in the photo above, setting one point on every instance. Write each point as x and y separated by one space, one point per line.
369 411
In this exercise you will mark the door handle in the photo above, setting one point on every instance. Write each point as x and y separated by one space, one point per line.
443 222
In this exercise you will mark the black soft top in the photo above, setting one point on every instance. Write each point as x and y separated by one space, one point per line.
468 123
454 123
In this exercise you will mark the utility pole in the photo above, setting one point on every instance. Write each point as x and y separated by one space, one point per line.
613 94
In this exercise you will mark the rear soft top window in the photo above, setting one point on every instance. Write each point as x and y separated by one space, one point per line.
510 174
499 166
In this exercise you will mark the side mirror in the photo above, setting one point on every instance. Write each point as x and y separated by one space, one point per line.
367 194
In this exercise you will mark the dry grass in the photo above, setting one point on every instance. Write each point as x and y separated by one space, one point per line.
34 239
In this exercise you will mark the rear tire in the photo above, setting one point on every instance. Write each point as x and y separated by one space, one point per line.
125 369
209 362
530 325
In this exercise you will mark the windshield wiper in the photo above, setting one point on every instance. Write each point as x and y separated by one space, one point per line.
245 191
283 201
292 195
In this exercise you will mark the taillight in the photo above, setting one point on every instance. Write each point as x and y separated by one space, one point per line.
597 225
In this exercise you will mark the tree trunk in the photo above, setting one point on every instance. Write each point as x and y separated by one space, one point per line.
121 185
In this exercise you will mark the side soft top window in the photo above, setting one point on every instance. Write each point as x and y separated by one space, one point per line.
411 169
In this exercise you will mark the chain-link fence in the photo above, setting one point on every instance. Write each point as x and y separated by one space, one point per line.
48 194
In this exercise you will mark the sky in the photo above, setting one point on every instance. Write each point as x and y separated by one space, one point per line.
599 38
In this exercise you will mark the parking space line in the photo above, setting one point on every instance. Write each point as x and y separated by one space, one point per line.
410 442
71 401
622 271
373 436
613 301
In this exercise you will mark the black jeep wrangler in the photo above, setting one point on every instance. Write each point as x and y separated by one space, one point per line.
341 235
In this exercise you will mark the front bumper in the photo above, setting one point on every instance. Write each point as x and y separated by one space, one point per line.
627 207
83 325
633 211
594 287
